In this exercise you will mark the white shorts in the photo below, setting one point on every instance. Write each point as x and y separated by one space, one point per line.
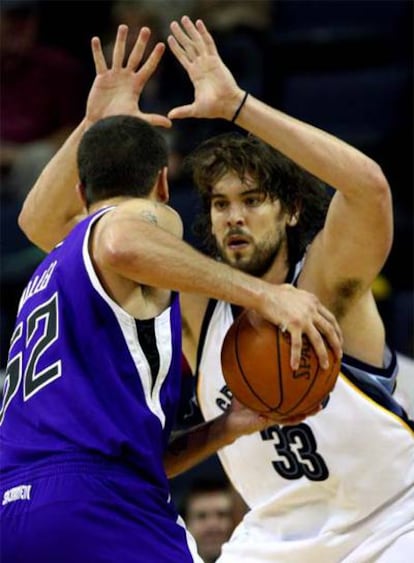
258 545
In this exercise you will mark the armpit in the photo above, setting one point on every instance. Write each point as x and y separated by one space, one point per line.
343 296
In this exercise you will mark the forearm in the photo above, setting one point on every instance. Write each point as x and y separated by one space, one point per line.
52 206
191 447
335 162
153 257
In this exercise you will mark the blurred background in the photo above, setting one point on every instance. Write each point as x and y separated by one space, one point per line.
343 65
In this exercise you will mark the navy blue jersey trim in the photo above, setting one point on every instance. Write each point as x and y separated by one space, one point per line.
387 372
148 342
203 332
189 413
375 391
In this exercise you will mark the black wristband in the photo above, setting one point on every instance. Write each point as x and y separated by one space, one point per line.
238 110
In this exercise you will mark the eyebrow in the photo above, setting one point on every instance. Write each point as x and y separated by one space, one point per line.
244 193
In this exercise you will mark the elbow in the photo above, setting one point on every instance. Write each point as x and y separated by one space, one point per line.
27 223
381 199
36 231
24 222
112 254
377 182
115 251
382 183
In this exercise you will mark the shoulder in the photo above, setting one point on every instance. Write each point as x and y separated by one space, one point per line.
152 212
172 219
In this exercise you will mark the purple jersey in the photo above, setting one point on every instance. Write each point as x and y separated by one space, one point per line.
84 378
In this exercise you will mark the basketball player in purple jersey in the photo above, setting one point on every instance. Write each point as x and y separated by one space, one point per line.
93 374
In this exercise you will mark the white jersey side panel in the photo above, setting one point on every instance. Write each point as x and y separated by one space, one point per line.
338 487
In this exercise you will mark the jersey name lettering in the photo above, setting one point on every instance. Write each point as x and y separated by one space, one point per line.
37 284
224 400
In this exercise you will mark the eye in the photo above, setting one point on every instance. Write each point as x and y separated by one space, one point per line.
254 200
220 204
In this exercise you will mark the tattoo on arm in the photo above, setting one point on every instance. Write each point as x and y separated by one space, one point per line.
149 216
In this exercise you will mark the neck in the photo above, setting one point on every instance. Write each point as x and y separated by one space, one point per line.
278 271
107 203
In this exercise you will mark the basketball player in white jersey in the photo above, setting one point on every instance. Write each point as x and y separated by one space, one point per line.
339 486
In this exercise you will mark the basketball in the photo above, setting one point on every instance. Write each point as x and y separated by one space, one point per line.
255 360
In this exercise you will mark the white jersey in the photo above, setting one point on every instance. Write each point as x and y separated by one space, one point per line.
337 487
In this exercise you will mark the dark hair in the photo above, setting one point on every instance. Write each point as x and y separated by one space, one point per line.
275 174
203 486
120 156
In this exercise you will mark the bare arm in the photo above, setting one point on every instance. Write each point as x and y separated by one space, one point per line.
358 230
190 447
141 251
53 207
358 233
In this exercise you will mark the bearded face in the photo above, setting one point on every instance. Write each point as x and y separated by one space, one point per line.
253 256
248 226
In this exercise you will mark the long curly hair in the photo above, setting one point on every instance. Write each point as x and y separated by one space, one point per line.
278 176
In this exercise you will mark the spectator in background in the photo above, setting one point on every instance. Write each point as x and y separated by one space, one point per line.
43 93
211 509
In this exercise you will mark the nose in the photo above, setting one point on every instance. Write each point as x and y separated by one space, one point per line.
235 215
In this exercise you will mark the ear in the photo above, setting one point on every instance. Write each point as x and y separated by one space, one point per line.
162 192
294 218
80 190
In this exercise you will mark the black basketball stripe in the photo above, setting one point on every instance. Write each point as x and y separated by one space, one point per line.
302 399
241 370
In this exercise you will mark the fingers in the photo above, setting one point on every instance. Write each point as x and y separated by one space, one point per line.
297 419
182 112
189 40
208 40
157 120
318 324
321 333
178 51
291 420
151 64
200 35
319 345
187 45
98 57
138 49
316 341
329 327
119 47
295 347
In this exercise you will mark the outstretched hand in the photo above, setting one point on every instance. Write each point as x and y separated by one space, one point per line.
216 93
116 90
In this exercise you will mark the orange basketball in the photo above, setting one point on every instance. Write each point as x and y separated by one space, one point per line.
255 360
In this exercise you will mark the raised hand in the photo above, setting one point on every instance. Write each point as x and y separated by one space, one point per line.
117 89
216 93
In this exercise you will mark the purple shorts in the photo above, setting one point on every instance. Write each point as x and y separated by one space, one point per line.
87 513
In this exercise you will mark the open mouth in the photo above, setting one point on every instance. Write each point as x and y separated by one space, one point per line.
237 242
